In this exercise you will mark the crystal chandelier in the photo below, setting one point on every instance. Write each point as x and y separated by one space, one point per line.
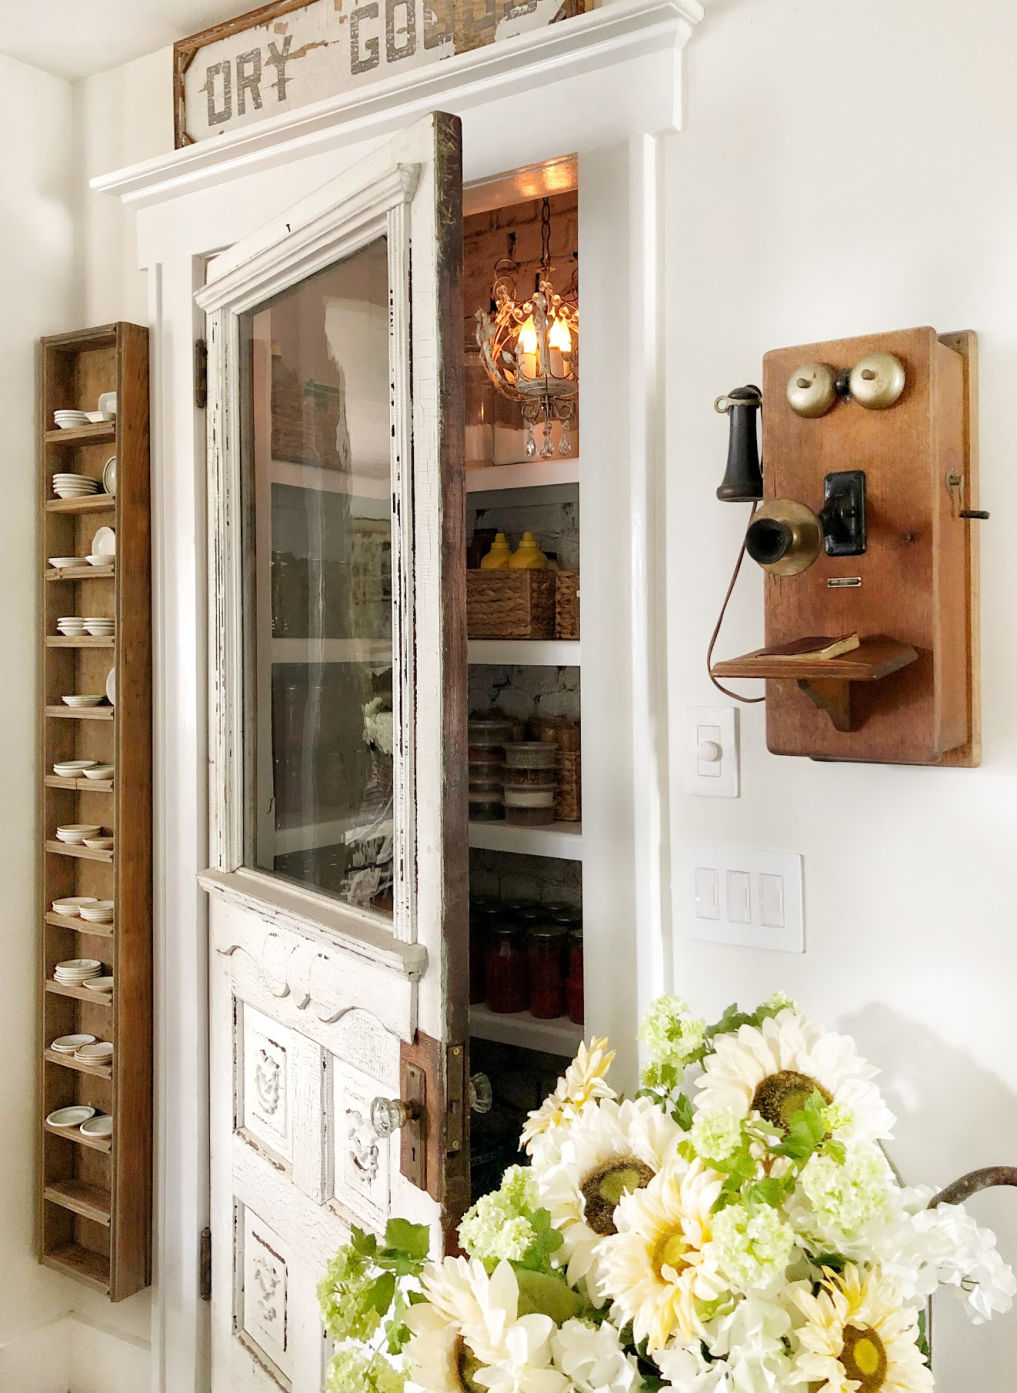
530 348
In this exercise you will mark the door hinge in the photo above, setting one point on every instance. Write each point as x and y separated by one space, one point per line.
200 374
205 1265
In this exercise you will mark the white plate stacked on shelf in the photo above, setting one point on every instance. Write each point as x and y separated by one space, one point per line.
72 768
67 484
74 833
71 1117
96 1052
98 911
68 1044
109 475
100 1125
74 971
71 904
98 626
67 419
71 626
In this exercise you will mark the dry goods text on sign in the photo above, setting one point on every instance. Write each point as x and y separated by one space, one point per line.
286 55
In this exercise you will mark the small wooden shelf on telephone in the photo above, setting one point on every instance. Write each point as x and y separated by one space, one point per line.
826 681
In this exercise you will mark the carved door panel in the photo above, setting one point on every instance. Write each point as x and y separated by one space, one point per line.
338 874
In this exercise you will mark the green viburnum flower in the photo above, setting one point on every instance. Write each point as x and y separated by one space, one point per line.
673 1037
837 1118
846 1196
346 1297
510 1224
752 1246
773 1005
716 1135
353 1370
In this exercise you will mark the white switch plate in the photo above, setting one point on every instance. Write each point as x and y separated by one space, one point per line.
742 897
716 725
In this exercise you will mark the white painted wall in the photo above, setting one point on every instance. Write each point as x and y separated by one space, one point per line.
848 168
37 235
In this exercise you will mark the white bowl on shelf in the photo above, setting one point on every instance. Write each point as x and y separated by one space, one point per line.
84 699
99 628
71 627
71 768
104 543
100 1125
94 560
96 418
71 904
61 563
71 1117
99 771
99 843
99 984
99 912
67 1044
74 833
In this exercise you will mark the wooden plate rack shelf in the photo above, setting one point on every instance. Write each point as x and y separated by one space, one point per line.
95 1192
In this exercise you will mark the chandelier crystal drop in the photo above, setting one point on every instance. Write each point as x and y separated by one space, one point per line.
530 348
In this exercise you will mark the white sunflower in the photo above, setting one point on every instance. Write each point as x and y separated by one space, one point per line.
582 1083
858 1337
437 1356
773 1069
583 1169
481 1307
660 1263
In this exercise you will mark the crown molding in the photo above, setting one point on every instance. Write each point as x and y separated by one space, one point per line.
617 32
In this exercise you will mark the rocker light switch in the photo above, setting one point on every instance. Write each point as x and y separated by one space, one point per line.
742 897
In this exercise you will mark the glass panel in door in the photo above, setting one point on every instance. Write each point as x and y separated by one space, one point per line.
318 590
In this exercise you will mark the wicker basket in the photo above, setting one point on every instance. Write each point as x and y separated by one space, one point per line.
566 604
568 803
510 604
305 419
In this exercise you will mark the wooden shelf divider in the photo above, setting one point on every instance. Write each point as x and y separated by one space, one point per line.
87 1200
95 1194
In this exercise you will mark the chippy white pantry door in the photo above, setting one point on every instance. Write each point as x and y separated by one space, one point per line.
338 876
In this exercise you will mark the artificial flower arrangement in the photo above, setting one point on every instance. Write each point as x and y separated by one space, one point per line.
735 1228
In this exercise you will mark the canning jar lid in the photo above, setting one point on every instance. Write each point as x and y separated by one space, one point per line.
546 933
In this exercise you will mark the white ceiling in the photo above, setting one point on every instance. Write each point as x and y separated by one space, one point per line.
73 38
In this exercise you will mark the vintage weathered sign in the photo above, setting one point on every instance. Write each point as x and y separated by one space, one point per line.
293 52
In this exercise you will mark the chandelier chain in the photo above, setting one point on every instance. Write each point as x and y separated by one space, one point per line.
545 235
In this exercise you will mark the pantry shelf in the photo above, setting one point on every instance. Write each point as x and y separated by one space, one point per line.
532 474
558 1036
563 840
524 652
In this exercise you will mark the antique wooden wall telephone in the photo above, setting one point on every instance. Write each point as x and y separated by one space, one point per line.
862 523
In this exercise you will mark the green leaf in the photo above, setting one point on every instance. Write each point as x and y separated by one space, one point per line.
381 1292
412 1240
770 1190
682 1112
541 1293
366 1244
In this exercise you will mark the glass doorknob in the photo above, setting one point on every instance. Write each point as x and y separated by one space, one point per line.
481 1093
389 1114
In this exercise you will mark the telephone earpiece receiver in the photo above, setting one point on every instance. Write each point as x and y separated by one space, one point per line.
865 487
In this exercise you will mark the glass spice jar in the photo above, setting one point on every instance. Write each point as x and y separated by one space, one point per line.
574 982
483 914
545 961
505 966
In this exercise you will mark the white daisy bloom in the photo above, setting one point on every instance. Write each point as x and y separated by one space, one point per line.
582 1083
593 1360
773 1068
858 1337
584 1167
660 1264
